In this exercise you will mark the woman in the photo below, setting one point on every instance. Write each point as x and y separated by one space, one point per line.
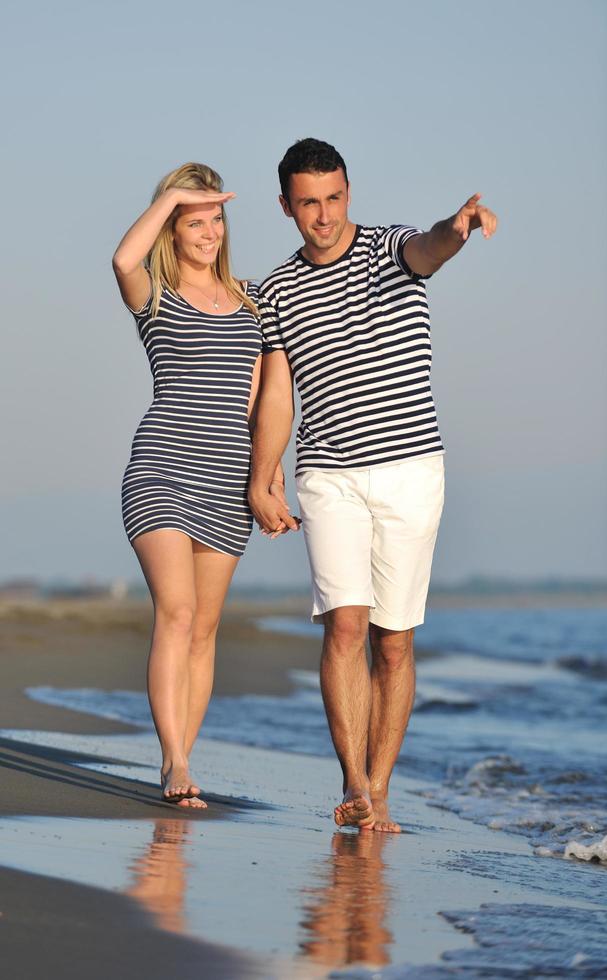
184 493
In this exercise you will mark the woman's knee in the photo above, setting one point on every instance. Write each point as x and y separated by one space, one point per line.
204 631
177 618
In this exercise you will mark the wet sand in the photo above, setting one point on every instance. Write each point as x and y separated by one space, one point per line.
54 929
103 644
83 931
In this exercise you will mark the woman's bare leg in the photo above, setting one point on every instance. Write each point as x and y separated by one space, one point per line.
166 557
212 576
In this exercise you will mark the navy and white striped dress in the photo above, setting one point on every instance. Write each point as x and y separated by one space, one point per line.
189 464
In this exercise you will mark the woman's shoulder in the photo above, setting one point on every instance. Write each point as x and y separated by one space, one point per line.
163 304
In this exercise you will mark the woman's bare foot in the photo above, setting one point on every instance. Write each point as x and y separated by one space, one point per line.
192 803
382 816
177 787
356 810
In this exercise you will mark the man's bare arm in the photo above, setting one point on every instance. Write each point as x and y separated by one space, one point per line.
273 423
425 253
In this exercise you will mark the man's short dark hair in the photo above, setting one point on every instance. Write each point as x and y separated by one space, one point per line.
308 156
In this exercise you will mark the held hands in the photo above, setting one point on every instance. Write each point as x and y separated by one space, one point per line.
474 215
271 511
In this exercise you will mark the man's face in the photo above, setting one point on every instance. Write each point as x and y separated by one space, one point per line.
318 203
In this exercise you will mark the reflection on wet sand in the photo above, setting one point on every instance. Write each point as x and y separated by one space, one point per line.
345 912
160 875
345 908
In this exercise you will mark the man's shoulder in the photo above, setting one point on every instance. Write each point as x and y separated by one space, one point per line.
372 231
371 236
281 274
376 233
382 238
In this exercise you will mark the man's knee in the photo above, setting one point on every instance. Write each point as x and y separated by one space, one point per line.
346 629
390 649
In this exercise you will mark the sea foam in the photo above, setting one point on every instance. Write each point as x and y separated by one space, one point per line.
591 852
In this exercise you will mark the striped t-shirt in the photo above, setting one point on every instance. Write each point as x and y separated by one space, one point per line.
356 332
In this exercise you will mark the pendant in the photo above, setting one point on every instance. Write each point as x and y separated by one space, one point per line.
216 305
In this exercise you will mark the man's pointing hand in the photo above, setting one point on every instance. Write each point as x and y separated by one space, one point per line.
474 215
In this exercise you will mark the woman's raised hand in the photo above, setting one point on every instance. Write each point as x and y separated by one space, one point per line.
133 279
186 195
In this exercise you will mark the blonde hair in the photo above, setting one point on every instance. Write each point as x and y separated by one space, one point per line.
161 260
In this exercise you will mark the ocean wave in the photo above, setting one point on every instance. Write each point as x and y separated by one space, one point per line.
514 942
530 635
445 707
594 668
431 696
592 852
129 707
503 794
534 941
551 878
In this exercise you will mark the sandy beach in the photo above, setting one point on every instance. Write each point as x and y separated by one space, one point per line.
113 881
102 645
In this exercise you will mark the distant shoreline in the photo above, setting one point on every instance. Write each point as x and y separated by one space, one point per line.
298 603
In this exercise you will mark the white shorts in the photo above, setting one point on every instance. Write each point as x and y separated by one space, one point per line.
370 537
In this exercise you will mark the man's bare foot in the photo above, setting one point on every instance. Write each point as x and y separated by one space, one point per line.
355 810
177 787
382 816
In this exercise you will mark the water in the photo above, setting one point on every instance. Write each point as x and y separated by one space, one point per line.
520 942
510 720
508 730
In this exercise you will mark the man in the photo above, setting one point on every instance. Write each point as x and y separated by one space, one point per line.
346 316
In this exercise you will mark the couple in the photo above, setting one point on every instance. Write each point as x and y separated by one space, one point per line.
346 317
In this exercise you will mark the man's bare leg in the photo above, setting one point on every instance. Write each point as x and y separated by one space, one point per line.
346 691
392 696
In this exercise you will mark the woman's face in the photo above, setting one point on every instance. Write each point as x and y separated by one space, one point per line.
197 233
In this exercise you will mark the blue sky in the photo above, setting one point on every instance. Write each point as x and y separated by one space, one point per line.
428 104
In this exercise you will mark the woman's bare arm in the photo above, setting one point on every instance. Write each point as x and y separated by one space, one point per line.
127 262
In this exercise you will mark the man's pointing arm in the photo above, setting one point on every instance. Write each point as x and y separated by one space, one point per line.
425 253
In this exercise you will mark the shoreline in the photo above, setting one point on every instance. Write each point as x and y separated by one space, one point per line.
105 645
83 787
297 889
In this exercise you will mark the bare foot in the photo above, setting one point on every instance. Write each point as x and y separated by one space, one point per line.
192 803
355 810
382 816
178 788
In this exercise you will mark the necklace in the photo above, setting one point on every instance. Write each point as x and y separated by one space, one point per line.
213 301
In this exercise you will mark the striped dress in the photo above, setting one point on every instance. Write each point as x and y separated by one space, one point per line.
189 464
